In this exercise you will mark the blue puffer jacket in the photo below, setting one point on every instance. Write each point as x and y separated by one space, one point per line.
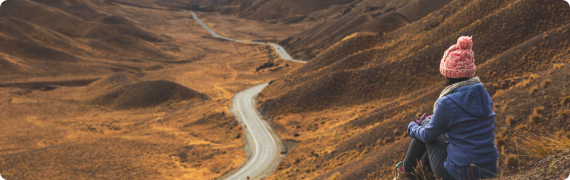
467 118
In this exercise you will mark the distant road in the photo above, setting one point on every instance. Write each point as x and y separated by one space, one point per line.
278 48
263 151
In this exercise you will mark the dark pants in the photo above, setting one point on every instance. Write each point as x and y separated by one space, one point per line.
431 154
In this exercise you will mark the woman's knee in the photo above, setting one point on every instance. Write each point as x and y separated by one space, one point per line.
425 122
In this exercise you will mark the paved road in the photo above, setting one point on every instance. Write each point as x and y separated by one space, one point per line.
282 52
264 150
264 154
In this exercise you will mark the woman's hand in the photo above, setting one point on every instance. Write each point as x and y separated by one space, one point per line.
420 119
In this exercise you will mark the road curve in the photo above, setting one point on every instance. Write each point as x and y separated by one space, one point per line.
263 151
280 50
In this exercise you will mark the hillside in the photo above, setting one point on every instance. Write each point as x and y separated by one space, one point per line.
137 89
349 106
331 20
123 89
340 21
144 94
74 37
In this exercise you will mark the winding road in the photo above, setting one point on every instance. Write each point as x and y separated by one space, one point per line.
263 152
280 50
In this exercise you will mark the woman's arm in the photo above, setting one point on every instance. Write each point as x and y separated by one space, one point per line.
440 121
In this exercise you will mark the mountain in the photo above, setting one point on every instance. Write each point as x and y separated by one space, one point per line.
335 19
349 106
73 36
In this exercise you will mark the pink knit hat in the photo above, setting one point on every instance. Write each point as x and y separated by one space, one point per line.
459 60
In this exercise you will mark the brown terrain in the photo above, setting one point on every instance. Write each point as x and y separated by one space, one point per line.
136 89
349 106
112 90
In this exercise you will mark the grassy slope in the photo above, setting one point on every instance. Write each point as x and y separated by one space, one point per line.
147 117
75 38
349 106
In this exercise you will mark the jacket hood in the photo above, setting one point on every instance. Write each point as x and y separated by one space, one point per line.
474 100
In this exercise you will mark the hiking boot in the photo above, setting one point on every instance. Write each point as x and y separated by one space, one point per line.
401 174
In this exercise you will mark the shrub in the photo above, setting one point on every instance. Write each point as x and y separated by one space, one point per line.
335 176
396 132
538 110
520 127
558 65
499 140
387 140
524 83
535 118
545 84
496 107
504 108
499 92
564 113
533 76
510 120
565 100
533 89
511 161
364 152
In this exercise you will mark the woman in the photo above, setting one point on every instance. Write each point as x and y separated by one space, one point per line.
457 142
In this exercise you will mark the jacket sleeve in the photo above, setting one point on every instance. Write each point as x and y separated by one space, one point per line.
440 121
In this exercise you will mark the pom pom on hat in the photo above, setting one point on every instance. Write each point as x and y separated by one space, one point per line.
459 60
464 42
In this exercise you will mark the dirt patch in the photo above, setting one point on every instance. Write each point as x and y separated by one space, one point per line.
290 144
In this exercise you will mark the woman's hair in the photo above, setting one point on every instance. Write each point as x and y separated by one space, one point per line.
450 81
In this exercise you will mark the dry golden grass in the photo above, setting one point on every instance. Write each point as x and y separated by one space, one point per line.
499 140
535 118
499 92
533 90
565 100
335 176
538 110
511 161
510 120
496 107
564 113
545 84
542 146
558 65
